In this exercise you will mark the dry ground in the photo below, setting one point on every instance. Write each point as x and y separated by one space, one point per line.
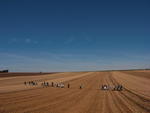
15 97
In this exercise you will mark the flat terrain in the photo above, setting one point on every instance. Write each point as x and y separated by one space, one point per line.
16 97
21 74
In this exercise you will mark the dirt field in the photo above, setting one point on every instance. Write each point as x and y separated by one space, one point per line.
15 97
21 74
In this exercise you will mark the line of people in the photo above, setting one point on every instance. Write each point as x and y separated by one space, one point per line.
114 88
62 85
33 83
46 84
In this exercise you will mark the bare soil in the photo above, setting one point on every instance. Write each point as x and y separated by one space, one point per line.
13 74
15 97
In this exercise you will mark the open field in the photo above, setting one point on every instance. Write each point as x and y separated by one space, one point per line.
21 74
15 97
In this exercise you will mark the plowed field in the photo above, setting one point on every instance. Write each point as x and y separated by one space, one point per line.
15 97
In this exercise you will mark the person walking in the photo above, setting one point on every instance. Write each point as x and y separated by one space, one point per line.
25 83
81 86
47 84
68 85
52 84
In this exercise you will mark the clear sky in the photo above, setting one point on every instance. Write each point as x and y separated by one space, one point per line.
74 35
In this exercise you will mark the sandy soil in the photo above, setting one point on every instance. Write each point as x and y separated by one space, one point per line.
13 74
15 97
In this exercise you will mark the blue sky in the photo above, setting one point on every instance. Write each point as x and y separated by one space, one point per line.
74 35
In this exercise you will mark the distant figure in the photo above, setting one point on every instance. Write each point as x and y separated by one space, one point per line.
52 84
57 85
81 86
68 85
47 84
104 87
119 88
25 83
33 83
62 85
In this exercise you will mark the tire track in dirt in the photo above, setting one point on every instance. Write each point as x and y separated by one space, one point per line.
135 84
86 94
45 97
90 99
18 85
141 104
76 97
138 100
118 101
138 74
122 100
95 97
107 106
37 98
26 104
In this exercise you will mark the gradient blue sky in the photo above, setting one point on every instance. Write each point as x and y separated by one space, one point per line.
74 35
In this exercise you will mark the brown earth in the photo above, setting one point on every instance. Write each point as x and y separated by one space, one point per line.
13 74
15 97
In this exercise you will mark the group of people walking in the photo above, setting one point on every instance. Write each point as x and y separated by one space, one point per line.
33 83
114 88
47 84
62 85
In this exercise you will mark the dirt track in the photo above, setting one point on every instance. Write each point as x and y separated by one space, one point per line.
15 97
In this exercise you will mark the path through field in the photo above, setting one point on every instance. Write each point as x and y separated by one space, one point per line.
15 97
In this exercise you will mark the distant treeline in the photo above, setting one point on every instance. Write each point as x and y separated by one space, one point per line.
4 71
